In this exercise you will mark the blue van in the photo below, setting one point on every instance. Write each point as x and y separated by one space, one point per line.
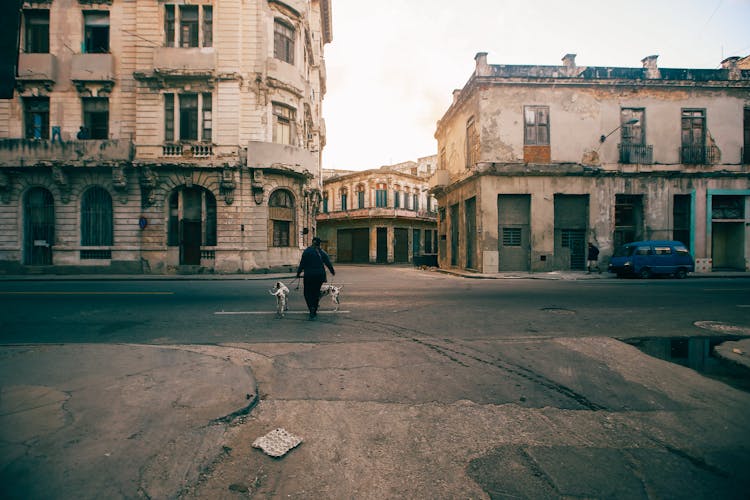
649 258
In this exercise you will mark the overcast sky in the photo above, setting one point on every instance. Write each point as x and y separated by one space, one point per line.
393 64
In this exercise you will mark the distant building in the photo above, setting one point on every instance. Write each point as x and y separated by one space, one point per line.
536 161
384 215
163 136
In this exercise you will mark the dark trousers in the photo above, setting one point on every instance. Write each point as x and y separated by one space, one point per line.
312 286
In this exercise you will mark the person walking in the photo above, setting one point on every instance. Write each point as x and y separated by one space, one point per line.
313 262
593 259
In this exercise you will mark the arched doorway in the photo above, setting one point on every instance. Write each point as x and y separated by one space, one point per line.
39 227
192 222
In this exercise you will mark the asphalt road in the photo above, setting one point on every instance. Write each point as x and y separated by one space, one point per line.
422 385
375 300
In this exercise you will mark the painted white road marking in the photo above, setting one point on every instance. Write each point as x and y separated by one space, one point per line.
227 313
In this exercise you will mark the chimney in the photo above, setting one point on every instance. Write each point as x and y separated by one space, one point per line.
730 63
569 64
652 70
482 68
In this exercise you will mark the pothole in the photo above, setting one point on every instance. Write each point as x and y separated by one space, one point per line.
697 353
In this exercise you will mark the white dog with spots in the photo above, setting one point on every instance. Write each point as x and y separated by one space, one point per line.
333 291
280 291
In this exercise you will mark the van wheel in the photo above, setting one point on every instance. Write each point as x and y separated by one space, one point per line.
645 273
680 274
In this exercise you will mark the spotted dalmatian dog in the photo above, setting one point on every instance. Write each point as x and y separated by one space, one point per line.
333 291
280 291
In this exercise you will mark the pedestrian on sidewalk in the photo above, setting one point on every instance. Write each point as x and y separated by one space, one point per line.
593 259
313 262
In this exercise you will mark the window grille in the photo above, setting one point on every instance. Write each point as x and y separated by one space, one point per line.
512 236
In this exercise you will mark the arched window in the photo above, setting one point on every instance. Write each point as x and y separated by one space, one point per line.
281 218
96 223
360 196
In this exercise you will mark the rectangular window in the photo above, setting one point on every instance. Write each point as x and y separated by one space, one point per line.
208 26
325 204
189 117
281 233
188 26
284 124
343 201
169 117
693 125
283 41
396 199
415 202
96 32
360 199
633 125
381 198
36 117
472 143
96 117
536 125
169 24
207 118
36 31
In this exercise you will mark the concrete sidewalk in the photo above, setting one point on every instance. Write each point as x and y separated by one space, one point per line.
114 421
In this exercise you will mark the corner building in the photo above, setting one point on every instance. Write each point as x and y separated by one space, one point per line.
158 136
536 161
383 215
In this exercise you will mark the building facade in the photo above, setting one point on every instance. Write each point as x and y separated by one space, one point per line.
163 136
536 161
383 215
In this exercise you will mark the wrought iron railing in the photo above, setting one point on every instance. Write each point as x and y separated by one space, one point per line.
636 153
699 155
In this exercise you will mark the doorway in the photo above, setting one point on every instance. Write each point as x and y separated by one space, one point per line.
39 227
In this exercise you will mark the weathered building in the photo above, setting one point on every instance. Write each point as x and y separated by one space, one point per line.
158 135
534 161
383 215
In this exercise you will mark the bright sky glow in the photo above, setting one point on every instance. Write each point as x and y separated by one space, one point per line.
393 64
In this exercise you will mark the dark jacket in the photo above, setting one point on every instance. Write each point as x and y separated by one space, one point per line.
312 262
593 252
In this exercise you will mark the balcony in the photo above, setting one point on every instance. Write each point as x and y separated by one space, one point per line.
642 154
440 179
193 152
31 152
282 157
193 61
699 155
92 68
37 68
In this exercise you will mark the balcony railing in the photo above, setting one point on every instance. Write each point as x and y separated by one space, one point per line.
642 154
196 150
699 155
